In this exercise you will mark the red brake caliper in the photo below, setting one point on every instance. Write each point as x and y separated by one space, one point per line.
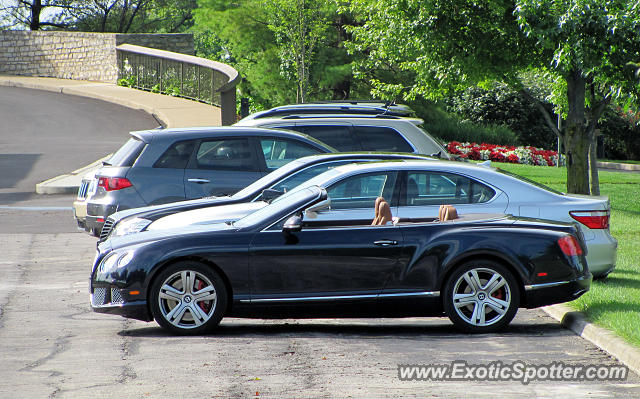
204 306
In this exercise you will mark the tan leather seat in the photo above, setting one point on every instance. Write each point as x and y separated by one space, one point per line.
447 212
382 213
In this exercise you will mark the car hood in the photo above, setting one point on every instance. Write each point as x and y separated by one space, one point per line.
153 212
144 237
206 216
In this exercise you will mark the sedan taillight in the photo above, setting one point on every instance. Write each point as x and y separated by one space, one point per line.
592 219
570 246
114 183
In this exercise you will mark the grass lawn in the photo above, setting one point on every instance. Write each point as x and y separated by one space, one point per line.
615 302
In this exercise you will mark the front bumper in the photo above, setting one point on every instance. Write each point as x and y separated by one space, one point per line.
113 300
558 292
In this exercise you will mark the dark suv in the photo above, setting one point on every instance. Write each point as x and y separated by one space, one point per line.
168 165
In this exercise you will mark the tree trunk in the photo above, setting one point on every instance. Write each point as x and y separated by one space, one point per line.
593 166
36 10
576 140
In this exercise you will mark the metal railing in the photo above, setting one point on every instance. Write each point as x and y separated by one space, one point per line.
180 75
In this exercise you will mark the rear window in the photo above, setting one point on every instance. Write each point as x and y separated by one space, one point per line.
377 138
338 137
533 182
127 154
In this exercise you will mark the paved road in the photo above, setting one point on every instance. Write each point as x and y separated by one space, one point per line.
45 134
53 346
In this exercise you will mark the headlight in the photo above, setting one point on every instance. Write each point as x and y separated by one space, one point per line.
116 260
130 226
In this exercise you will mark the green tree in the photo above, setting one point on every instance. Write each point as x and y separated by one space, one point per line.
298 26
583 46
237 33
34 14
131 16
281 60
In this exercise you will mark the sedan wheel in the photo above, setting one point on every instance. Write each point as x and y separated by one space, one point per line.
188 298
481 296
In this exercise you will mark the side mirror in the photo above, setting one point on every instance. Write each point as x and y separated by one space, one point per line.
270 194
293 224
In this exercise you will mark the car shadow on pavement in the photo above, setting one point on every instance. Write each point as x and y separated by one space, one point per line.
348 329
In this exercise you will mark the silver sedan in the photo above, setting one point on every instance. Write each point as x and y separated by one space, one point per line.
416 189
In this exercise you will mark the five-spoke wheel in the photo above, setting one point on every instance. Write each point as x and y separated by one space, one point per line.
481 296
188 298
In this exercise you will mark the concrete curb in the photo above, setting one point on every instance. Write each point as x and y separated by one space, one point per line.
602 338
69 183
619 166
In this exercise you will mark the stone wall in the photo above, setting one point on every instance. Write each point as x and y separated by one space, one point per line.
76 55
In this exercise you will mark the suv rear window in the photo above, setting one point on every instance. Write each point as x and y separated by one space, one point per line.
127 154
338 137
377 138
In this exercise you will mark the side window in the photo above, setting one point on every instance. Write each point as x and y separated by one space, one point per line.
361 191
176 156
278 152
437 188
225 154
376 138
306 174
338 137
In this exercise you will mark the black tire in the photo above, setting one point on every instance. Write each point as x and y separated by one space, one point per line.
474 305
195 310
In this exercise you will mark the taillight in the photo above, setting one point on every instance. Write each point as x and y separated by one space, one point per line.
114 183
570 246
592 219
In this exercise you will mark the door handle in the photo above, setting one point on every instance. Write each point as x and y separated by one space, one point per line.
385 243
199 181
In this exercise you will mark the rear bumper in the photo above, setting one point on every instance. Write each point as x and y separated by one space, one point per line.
80 213
551 293
602 251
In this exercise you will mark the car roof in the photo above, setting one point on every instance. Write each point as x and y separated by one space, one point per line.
361 154
466 168
169 134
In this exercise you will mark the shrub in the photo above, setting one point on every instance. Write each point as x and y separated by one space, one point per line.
451 129
621 135
503 106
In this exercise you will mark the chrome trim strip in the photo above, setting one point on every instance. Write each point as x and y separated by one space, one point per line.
401 294
339 297
546 285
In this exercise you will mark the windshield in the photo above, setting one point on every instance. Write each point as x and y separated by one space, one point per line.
267 180
286 203
315 181
533 182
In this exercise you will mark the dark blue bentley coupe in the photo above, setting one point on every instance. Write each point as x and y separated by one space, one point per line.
280 262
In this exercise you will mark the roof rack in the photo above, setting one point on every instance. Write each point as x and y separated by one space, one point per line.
371 107
334 116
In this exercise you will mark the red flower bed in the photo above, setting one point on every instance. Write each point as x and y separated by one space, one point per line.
497 153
